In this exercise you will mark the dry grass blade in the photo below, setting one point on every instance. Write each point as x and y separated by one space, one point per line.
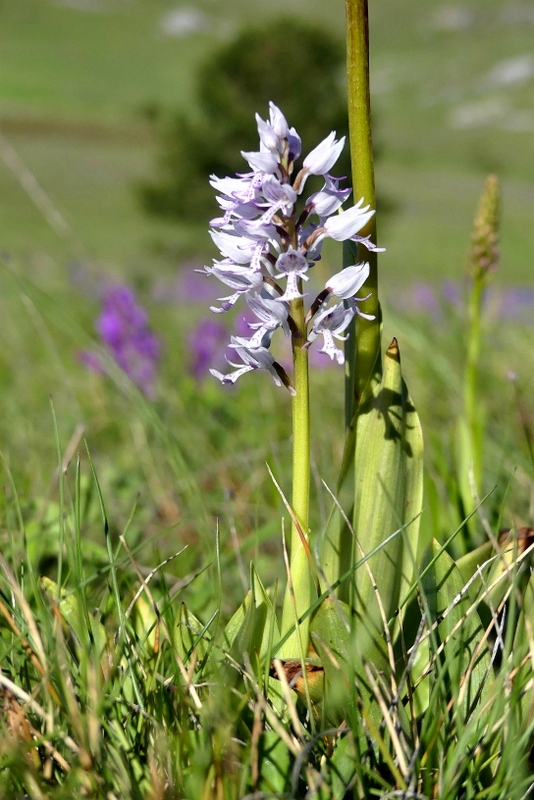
38 659
25 698
391 725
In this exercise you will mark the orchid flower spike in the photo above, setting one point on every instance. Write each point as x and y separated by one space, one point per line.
270 239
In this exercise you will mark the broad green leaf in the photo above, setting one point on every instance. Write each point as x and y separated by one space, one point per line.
253 628
274 759
331 636
387 504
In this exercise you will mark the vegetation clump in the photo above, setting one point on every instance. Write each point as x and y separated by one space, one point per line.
299 64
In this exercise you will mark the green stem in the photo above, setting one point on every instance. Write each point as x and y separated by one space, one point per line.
362 350
367 355
473 411
301 576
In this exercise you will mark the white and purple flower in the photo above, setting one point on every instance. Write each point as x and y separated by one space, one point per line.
269 239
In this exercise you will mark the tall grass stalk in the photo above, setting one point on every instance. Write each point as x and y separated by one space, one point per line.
365 361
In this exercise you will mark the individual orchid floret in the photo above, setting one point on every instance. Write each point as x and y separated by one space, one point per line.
241 279
274 134
295 147
262 162
254 359
346 283
278 121
268 138
244 188
346 225
328 200
272 315
256 230
323 157
278 196
292 265
238 249
330 323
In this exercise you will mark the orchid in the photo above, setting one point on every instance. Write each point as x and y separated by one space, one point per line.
269 241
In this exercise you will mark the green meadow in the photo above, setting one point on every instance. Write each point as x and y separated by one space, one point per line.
451 96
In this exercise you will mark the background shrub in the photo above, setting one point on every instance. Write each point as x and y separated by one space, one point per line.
298 65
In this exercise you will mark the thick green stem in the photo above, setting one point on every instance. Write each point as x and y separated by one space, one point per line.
367 354
300 572
362 349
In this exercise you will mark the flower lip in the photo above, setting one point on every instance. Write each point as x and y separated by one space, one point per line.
330 323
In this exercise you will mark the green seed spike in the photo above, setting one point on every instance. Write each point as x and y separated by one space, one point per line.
484 253
483 259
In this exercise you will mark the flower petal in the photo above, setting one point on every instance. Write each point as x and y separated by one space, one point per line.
346 283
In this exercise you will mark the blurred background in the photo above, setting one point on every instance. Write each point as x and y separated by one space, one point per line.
105 104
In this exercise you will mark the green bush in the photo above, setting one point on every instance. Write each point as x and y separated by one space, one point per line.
298 66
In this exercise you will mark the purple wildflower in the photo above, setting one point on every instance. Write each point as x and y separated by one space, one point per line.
452 293
91 361
123 329
517 303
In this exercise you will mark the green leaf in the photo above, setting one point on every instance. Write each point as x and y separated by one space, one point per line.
331 635
274 758
191 636
253 628
83 630
524 633
387 504
459 661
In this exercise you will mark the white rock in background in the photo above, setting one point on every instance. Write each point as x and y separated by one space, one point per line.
512 71
483 112
452 18
183 21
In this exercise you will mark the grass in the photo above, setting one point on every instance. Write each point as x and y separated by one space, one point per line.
117 682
